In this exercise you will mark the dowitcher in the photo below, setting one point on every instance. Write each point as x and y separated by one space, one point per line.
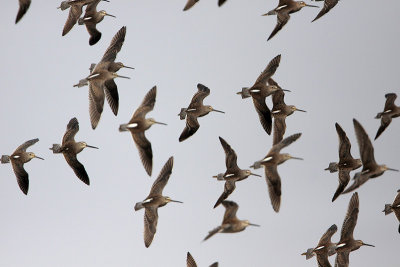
190 262
70 149
139 124
282 11
270 163
280 111
260 90
328 5
230 223
324 249
233 172
196 109
389 112
23 7
18 159
370 168
347 243
91 18
189 4
395 207
154 200
346 162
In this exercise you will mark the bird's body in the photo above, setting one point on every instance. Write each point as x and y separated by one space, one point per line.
282 11
154 200
328 5
370 168
230 223
18 159
139 124
23 8
394 207
70 148
270 164
389 112
193 111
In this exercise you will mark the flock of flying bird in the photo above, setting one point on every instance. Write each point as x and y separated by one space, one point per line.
102 85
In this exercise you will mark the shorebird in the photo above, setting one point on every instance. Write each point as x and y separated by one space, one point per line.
190 262
328 5
23 7
233 172
270 163
347 243
139 124
395 207
189 4
91 18
101 80
230 223
370 168
196 109
18 159
279 112
389 112
282 11
324 249
260 90
346 162
154 200
70 149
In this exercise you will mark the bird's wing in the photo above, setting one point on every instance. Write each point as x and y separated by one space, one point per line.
326 238
285 2
215 264
72 129
145 151
365 146
396 201
192 125
269 70
282 19
22 176
221 2
344 144
285 142
115 45
385 121
150 225
95 35
24 146
322 260
197 100
230 156
162 178
111 92
97 93
23 7
264 114
147 104
389 104
190 262
74 13
229 187
279 129
344 178
278 99
189 4
213 232
274 186
342 259
359 179
328 5
230 210
350 220
77 167
94 114
91 8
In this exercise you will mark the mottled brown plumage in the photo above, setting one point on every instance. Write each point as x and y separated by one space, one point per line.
394 207
189 4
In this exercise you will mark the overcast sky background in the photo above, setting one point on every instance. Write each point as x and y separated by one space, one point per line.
338 68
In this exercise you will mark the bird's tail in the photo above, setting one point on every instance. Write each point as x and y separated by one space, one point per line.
64 5
81 83
309 253
81 21
139 206
333 167
5 159
182 114
56 148
256 165
270 13
123 127
245 93
219 176
379 115
388 209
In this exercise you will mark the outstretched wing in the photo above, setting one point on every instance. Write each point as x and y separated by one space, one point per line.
344 178
192 125
269 70
77 167
72 129
229 187
274 186
282 19
22 175
264 114
197 100
115 46
147 104
145 151
150 225
162 178
230 156
23 7
328 5
190 261
285 142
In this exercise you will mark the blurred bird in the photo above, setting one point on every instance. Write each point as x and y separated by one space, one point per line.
139 124
196 109
346 162
279 112
230 223
395 207
233 172
189 4
18 159
91 18
282 11
154 200
328 5
347 243
260 90
70 148
270 164
190 262
324 249
370 168
23 7
390 111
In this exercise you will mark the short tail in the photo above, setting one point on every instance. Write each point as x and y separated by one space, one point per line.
379 115
245 93
309 254
56 148
333 167
270 13
139 206
219 177
5 159
81 83
123 127
182 114
256 165
388 209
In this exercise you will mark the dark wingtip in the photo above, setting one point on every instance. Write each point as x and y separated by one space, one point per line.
94 39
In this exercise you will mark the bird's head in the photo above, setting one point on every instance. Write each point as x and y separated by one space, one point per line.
32 155
168 199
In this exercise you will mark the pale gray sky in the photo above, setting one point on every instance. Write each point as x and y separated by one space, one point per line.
338 68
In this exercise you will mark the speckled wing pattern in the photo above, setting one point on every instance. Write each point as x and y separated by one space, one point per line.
74 13
72 129
115 46
150 225
162 178
192 125
282 19
264 114
190 262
